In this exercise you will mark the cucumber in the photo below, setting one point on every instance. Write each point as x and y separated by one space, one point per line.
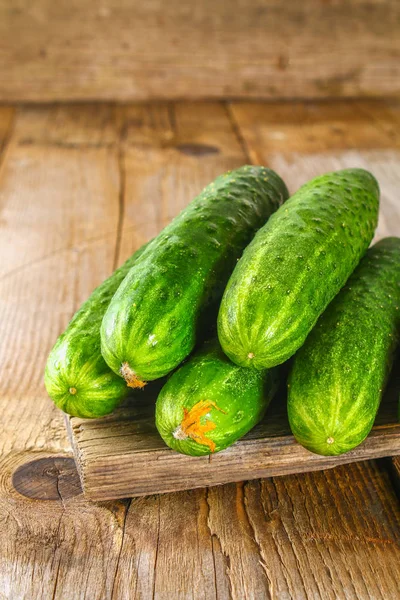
172 295
295 265
209 403
338 376
77 377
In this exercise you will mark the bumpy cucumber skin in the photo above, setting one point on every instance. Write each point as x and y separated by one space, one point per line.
295 265
76 364
241 395
338 376
153 320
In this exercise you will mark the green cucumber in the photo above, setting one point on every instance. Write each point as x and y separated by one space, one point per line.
295 265
155 317
209 403
338 376
77 378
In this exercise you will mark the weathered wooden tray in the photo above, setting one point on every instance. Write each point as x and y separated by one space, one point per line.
122 455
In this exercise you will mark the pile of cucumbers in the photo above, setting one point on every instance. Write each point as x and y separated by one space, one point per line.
243 279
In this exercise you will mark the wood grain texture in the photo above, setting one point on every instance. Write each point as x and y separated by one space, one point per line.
330 535
316 523
47 478
123 455
395 471
130 50
171 151
58 224
68 211
303 140
6 123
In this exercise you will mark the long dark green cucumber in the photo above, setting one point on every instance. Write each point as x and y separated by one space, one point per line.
209 403
77 378
295 265
338 376
153 320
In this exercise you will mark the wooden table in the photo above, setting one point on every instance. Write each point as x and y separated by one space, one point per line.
80 188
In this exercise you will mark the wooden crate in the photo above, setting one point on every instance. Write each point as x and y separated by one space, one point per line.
123 455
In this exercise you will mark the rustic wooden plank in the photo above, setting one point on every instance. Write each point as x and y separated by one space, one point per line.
333 127
331 535
68 126
303 140
123 455
337 533
6 123
59 214
171 151
180 560
124 50
385 114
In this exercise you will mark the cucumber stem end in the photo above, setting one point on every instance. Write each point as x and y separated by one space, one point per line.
132 380
179 434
